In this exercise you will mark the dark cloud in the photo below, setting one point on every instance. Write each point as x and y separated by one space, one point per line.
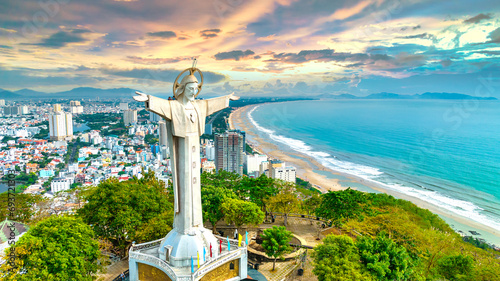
62 38
163 34
163 75
210 33
28 77
324 55
80 30
478 18
495 36
419 36
156 61
234 55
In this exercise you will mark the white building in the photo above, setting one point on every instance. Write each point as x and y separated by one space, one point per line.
75 107
23 109
60 124
2 102
284 173
253 162
129 117
60 184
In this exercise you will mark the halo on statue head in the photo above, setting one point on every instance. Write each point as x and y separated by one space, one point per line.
191 70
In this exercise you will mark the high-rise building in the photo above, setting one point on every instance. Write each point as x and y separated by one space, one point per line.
57 107
2 102
284 173
23 109
253 162
60 124
153 117
123 106
11 110
129 117
75 107
229 152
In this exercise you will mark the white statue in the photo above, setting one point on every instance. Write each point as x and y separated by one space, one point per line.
185 120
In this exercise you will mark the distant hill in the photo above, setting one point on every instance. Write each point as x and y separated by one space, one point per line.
29 93
424 96
76 93
8 95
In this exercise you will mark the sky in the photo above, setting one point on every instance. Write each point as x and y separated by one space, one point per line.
253 47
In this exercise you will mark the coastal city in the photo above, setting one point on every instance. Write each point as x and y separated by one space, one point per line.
54 146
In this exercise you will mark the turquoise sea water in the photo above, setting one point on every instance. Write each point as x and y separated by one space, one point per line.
444 152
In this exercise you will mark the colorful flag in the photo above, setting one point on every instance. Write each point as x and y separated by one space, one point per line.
210 249
228 245
220 246
192 265
198 258
246 239
239 240
204 253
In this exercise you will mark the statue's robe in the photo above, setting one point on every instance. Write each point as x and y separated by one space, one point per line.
184 128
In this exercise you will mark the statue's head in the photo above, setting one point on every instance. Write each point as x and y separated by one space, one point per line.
188 87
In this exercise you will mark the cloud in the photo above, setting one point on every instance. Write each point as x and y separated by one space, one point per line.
163 34
234 55
210 33
63 38
156 61
478 18
163 75
495 36
419 36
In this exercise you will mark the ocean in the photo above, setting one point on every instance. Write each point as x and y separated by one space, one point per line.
444 152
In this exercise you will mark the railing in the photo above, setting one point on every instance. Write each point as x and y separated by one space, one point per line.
146 245
154 260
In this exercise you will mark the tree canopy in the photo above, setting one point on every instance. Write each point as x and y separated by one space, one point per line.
58 248
212 198
118 210
337 259
275 242
240 212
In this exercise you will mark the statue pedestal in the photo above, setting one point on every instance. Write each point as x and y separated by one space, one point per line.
170 258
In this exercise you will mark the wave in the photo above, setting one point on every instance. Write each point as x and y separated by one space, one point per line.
460 207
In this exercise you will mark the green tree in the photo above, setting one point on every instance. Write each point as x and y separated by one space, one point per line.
212 198
158 227
384 258
240 212
337 259
150 139
117 210
275 242
456 267
22 206
258 190
341 205
58 248
285 201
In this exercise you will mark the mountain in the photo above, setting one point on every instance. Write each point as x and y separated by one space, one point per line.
339 96
89 92
29 93
8 95
450 96
385 95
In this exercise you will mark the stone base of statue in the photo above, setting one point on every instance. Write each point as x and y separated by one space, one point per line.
181 256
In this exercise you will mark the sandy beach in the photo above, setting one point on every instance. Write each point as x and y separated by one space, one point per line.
307 167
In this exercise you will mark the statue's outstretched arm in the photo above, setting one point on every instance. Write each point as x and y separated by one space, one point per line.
217 104
155 105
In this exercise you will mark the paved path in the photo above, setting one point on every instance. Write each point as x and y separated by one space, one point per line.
114 270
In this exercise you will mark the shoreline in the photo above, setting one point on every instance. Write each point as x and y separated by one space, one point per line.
308 167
